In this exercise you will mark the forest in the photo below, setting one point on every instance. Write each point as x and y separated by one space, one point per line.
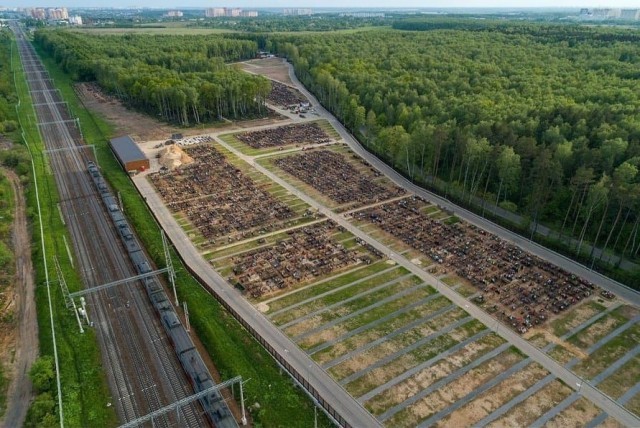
539 120
181 79
271 23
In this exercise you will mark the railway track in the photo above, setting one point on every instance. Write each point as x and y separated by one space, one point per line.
142 369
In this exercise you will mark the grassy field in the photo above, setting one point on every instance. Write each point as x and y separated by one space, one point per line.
232 349
85 393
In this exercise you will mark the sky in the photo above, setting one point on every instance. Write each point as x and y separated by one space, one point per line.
248 4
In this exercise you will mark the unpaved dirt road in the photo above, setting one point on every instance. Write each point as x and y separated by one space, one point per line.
24 349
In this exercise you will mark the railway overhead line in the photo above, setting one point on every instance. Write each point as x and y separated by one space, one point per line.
142 368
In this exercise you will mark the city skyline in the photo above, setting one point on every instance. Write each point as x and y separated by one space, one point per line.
334 3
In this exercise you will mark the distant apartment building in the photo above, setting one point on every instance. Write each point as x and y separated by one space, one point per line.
630 14
58 13
297 12
610 13
38 13
363 14
75 20
216 12
173 14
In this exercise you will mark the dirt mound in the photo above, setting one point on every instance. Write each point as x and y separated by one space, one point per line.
173 156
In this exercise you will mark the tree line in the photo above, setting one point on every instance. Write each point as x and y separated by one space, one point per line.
182 79
541 120
8 123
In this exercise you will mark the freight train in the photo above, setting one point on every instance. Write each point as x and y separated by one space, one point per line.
214 405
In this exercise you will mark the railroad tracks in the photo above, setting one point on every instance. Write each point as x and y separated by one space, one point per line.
142 369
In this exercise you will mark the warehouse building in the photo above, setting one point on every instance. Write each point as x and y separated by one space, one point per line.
129 154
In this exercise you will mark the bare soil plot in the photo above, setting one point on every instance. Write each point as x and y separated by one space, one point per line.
574 318
438 400
220 200
609 353
388 347
338 296
563 355
492 399
537 338
143 127
367 317
599 329
307 254
634 404
577 415
333 175
320 287
519 288
271 68
535 406
622 379
369 335
388 292
137 125
391 370
611 423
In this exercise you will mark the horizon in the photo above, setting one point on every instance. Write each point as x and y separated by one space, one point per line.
336 4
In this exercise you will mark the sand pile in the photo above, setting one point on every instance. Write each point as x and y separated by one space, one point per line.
173 156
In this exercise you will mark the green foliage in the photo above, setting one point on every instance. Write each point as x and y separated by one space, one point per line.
17 158
182 79
42 410
42 374
8 124
6 256
271 23
533 114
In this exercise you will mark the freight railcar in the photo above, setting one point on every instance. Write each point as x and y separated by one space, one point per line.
214 405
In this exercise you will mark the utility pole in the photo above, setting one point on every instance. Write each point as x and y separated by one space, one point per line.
169 262
186 318
244 417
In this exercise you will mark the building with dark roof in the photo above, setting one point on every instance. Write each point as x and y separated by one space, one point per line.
129 154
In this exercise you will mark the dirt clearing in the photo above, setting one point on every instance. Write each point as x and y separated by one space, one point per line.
271 68
19 337
142 127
